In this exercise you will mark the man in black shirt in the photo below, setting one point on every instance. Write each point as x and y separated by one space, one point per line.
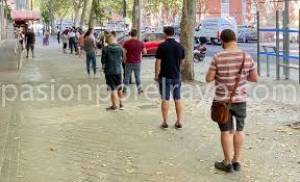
169 58
30 41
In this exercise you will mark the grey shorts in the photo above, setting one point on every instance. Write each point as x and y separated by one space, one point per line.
239 112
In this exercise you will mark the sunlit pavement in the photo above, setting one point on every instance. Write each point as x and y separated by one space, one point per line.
77 140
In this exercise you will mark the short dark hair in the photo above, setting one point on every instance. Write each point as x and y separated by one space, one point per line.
169 31
114 33
133 33
228 35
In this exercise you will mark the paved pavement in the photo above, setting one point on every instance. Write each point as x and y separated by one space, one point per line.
52 140
9 59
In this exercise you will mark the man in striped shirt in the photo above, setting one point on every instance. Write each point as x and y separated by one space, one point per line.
224 70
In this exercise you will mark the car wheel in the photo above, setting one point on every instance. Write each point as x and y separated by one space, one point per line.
216 42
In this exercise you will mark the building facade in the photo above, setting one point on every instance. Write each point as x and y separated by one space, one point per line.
239 9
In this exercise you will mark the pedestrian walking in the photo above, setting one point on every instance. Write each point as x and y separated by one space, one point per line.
46 39
133 51
169 58
90 49
231 69
30 41
21 37
111 59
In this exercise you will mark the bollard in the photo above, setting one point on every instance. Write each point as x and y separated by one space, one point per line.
299 45
277 47
258 42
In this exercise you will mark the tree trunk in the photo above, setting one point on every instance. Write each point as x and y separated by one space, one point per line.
83 13
136 16
76 15
187 37
124 9
92 13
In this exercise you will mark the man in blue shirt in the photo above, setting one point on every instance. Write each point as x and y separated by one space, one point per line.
169 58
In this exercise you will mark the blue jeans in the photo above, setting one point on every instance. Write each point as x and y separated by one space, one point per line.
91 59
168 87
136 68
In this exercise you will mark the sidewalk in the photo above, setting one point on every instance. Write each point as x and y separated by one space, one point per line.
56 141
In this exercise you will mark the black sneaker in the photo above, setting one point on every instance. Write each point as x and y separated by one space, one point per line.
178 126
236 166
164 126
140 91
112 108
122 108
223 167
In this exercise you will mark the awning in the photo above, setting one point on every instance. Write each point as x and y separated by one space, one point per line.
20 15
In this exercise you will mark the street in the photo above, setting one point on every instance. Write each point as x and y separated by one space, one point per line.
76 140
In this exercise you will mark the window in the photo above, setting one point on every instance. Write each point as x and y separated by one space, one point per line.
224 8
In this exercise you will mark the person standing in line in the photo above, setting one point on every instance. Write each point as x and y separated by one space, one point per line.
133 52
90 49
65 40
77 36
80 43
58 36
169 58
111 60
224 70
72 40
30 41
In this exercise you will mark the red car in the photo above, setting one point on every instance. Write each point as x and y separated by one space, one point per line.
151 42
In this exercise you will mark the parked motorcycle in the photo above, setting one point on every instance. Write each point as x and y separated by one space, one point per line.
199 52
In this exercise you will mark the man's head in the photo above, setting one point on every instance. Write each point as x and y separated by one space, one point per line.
227 37
169 31
110 39
133 33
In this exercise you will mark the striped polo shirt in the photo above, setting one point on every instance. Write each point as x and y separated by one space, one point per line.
227 65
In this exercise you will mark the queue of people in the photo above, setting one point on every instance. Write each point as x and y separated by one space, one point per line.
72 38
230 69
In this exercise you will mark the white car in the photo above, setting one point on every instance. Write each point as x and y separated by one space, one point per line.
211 28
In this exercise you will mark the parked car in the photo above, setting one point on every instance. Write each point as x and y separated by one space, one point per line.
211 29
246 34
152 41
293 36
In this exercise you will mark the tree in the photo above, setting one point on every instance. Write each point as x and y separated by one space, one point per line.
136 16
83 13
187 37
51 9
124 8
77 5
92 13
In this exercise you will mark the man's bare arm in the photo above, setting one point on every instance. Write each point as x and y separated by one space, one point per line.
253 76
124 55
144 51
211 76
157 68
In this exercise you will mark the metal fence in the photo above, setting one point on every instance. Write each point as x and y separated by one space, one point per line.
283 57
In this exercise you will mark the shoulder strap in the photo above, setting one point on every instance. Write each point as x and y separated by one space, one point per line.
238 79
